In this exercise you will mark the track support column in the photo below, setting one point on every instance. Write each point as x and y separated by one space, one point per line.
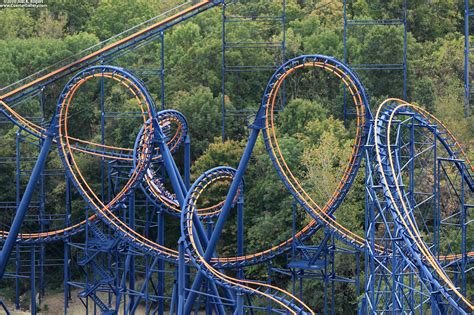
25 201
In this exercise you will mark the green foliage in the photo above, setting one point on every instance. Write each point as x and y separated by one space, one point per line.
28 56
16 23
201 109
311 135
448 15
219 154
77 12
324 160
50 27
113 17
298 113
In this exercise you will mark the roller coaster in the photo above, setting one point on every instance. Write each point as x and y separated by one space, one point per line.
406 271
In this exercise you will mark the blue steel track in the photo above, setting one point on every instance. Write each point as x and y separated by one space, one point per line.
152 164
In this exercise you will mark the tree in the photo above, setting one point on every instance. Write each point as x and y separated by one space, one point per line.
202 111
49 27
16 23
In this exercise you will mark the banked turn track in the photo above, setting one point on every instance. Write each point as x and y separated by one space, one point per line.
157 141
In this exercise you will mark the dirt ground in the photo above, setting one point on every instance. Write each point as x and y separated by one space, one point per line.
52 304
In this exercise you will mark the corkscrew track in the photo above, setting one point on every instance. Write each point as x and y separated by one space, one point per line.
162 134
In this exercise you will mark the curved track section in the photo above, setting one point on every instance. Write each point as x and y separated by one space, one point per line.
283 299
143 154
157 128
322 214
175 127
84 146
400 205
265 118
175 136
143 150
160 193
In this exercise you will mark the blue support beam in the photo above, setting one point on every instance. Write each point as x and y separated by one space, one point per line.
224 214
401 66
230 72
25 200
402 257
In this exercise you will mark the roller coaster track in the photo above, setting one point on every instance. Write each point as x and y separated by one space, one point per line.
195 250
322 215
225 261
165 118
22 89
157 141
105 212
154 186
105 151
119 153
397 199
128 42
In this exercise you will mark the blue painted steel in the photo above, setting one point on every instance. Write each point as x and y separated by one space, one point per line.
223 72
413 256
161 263
18 200
260 122
236 182
4 307
401 66
279 20
181 281
162 70
240 232
25 200
66 265
187 162
403 253
157 131
131 271
405 49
